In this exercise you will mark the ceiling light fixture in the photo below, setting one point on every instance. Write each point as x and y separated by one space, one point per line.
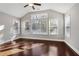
31 4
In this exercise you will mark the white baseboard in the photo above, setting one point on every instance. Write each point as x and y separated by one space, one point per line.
13 38
61 40
77 51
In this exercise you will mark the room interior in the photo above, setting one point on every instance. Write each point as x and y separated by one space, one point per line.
39 29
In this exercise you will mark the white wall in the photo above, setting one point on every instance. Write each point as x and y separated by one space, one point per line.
6 20
74 14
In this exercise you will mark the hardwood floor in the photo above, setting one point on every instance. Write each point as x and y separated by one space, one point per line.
26 47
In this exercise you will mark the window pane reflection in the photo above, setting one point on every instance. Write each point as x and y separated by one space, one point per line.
67 26
53 24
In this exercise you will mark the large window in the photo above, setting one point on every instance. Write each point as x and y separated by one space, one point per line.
41 24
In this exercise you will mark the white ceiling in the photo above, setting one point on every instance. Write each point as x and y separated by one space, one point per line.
17 9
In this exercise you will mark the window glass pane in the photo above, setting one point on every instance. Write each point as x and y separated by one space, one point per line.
15 29
53 26
27 26
1 31
67 26
44 26
1 27
39 24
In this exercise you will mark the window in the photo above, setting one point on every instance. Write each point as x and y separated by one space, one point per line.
27 26
39 24
15 29
2 27
67 26
1 33
53 26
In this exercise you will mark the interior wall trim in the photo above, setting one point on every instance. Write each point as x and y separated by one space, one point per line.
13 38
48 39
74 49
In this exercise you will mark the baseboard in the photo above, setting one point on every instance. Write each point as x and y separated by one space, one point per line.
48 39
13 38
74 49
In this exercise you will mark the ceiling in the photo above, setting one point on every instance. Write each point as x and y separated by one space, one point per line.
17 9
